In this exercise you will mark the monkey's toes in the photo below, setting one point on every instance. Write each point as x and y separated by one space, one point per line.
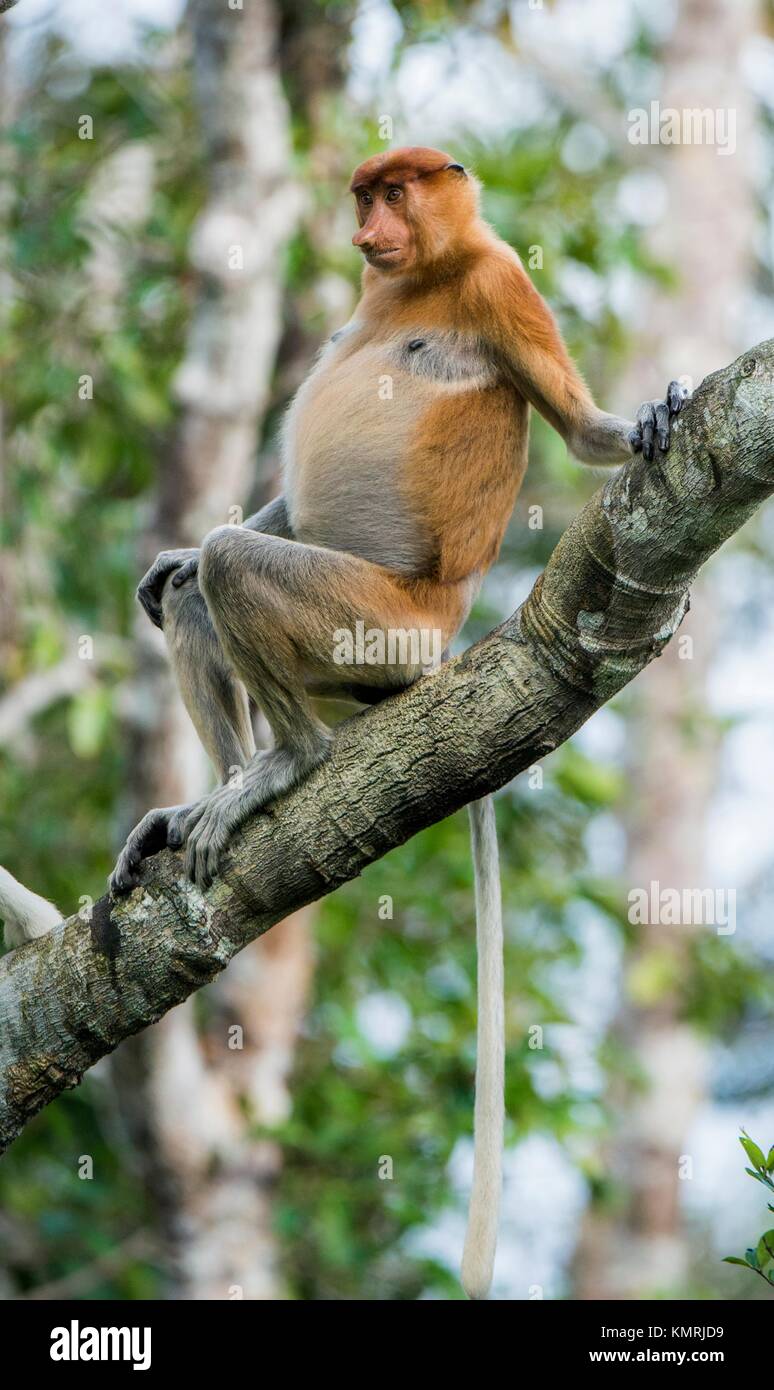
189 821
124 876
177 830
148 837
206 843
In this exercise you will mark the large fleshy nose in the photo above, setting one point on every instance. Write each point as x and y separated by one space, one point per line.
366 236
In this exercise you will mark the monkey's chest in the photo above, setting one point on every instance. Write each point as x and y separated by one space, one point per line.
351 431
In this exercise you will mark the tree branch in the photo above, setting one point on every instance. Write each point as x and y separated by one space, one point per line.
610 598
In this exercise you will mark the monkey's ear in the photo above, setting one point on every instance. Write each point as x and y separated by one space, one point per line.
457 168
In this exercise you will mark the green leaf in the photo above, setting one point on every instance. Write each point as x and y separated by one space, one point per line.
765 1249
759 1177
752 1258
734 1260
770 1160
754 1154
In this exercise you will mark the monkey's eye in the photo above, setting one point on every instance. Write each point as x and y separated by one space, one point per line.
393 195
366 199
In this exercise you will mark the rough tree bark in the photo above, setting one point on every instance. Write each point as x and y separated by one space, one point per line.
610 598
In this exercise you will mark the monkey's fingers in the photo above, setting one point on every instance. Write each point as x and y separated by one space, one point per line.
646 424
151 605
676 396
653 424
662 426
151 586
191 567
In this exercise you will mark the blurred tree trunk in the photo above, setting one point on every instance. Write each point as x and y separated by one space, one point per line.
191 1094
8 599
706 232
313 56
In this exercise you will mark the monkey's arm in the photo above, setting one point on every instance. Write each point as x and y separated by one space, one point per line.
272 520
528 341
605 440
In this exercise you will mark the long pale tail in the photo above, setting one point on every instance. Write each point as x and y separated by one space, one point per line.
484 1209
25 914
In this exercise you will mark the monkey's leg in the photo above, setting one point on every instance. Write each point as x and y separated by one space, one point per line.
218 706
278 607
215 700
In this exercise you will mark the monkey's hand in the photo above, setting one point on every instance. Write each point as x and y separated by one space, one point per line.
183 563
654 421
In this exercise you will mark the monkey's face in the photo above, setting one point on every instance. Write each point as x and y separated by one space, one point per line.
384 235
415 206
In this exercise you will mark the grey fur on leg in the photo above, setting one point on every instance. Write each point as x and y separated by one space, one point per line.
214 698
218 705
251 608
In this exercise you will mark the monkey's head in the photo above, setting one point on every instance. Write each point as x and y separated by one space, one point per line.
415 207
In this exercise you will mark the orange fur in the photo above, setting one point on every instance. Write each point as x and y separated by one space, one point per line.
399 166
422 482
468 510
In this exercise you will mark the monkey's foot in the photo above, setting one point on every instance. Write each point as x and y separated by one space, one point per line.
151 835
211 824
653 424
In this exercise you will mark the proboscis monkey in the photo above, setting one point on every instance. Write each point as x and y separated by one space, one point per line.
403 454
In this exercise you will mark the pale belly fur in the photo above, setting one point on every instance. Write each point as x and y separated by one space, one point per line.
349 432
